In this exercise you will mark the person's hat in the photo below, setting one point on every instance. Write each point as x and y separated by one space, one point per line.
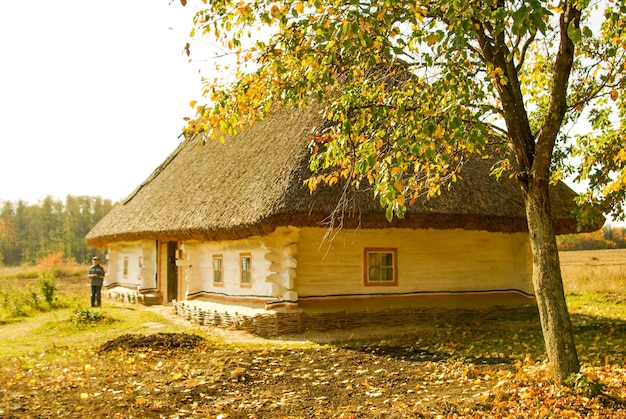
95 258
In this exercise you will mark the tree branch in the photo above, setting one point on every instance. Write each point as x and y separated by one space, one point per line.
557 107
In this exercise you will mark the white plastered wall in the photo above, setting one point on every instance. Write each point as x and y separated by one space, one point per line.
142 264
429 261
291 265
273 268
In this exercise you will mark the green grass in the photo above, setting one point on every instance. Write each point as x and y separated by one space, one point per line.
27 299
31 272
37 320
28 292
55 331
609 307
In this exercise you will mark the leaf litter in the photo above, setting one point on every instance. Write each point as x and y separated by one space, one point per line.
449 372
494 368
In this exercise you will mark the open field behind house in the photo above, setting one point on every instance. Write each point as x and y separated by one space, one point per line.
128 361
600 271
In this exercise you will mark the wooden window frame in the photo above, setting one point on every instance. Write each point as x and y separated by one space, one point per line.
366 267
219 283
125 268
243 284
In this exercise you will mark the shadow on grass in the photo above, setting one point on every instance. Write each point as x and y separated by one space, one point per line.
423 354
7 322
498 341
584 323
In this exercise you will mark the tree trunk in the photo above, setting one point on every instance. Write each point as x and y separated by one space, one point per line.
548 283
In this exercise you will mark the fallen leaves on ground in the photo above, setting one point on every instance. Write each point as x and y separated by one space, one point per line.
185 376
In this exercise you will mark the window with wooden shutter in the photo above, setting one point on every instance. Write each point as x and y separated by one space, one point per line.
380 266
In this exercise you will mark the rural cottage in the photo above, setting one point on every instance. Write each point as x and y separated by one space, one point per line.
230 235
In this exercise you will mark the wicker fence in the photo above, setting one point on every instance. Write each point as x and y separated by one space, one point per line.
277 324
134 297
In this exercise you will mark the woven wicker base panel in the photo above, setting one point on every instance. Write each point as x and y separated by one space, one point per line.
277 324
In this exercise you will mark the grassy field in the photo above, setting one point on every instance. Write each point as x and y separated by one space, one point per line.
594 271
53 362
595 282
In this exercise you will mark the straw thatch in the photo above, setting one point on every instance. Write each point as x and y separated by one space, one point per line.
253 183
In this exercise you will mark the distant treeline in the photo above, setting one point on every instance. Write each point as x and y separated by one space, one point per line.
29 232
609 237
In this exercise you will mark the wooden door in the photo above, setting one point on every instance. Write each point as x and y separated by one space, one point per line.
172 272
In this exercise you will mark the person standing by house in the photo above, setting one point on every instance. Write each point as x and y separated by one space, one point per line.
96 279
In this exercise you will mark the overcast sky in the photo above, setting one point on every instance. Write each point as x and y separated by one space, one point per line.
92 94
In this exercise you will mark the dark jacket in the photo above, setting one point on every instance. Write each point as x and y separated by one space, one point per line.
98 270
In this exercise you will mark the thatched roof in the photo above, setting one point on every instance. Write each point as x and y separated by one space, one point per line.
253 183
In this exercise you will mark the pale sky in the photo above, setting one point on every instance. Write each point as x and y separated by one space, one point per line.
92 94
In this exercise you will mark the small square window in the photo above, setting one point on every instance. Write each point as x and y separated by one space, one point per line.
246 269
217 270
380 267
